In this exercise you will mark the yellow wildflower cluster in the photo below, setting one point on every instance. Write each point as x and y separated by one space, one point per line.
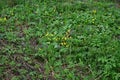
65 38
68 33
63 43
49 36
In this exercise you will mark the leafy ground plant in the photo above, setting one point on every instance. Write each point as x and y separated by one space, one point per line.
60 40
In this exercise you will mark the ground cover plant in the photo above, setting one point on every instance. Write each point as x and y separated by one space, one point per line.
60 40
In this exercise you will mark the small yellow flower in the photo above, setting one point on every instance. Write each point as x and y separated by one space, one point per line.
4 19
65 38
64 43
68 30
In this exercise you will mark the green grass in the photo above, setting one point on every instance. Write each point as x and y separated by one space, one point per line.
60 40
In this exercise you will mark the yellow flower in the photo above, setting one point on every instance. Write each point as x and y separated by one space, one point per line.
4 19
64 38
63 43
68 30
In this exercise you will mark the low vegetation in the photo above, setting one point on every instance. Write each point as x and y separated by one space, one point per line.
60 40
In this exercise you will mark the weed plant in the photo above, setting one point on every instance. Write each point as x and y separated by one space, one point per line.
60 40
